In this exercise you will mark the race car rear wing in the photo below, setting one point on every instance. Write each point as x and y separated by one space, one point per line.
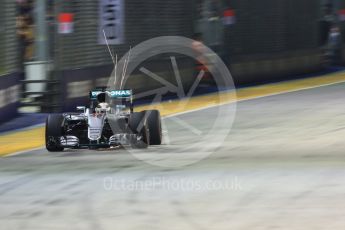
123 97
113 94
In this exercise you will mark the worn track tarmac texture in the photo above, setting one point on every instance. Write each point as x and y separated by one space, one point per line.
281 167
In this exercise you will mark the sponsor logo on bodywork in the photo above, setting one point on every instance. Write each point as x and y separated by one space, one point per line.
113 93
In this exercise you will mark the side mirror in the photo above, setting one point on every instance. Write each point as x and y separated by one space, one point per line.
81 108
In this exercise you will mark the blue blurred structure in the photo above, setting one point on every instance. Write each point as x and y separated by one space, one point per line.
23 121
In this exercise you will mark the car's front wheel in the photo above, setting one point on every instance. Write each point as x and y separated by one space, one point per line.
54 131
155 126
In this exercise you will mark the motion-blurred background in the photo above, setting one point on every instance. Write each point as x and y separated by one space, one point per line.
52 52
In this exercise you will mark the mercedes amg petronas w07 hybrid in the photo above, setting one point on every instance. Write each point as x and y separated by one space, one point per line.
108 122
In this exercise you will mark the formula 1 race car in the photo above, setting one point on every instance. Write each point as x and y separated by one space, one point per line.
104 124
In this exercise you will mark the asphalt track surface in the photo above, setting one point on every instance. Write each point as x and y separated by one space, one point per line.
281 167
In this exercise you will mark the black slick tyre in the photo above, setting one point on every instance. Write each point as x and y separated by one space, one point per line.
53 132
155 126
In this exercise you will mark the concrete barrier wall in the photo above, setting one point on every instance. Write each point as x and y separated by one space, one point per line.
9 96
252 69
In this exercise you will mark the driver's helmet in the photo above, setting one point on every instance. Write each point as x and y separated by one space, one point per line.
102 105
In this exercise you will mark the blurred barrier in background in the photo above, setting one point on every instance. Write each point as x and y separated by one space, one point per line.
265 40
82 62
341 23
260 41
9 69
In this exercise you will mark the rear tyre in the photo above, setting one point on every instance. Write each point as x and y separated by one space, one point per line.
155 126
54 131
138 125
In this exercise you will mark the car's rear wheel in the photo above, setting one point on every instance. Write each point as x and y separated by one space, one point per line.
54 131
155 126
138 125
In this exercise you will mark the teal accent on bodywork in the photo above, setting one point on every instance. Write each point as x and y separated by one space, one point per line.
112 94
